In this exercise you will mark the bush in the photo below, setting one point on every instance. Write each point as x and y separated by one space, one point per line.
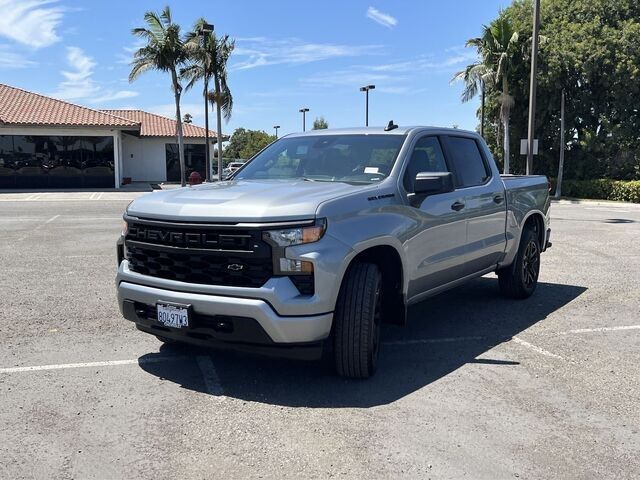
603 189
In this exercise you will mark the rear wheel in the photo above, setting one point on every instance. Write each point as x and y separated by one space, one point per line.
357 322
519 280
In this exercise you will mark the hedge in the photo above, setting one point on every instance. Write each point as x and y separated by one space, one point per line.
603 189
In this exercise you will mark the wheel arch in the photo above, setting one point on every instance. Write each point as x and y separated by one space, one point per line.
390 262
535 221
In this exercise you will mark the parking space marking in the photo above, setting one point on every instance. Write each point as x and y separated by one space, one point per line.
599 329
52 219
535 348
209 376
108 363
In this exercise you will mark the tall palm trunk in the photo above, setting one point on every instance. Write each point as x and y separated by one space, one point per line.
177 93
218 125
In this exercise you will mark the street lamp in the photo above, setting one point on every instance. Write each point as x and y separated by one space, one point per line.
366 89
304 111
276 127
206 29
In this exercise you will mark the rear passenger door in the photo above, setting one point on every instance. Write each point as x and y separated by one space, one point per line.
483 195
435 248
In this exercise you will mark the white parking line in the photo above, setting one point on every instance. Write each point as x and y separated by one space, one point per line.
214 387
51 219
598 329
210 376
109 363
535 348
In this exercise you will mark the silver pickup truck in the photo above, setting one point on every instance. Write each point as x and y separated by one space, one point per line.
322 236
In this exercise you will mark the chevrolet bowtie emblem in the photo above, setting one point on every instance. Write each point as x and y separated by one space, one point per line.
236 267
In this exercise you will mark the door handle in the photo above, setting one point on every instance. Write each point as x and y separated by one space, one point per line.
457 206
498 198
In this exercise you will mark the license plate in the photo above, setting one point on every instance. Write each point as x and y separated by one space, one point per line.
174 316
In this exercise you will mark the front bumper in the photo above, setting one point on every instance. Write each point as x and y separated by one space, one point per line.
278 330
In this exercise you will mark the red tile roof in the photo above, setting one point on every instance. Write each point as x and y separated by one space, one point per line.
152 125
19 107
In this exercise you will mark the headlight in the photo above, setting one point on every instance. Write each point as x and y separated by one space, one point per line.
125 227
298 236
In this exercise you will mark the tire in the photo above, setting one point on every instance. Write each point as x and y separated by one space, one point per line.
519 280
357 322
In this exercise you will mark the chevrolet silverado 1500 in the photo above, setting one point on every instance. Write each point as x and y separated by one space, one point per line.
324 235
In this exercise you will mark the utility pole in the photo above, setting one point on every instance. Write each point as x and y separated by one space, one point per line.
366 89
532 87
482 111
304 110
562 146
276 127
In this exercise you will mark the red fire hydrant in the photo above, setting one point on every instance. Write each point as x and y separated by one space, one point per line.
195 178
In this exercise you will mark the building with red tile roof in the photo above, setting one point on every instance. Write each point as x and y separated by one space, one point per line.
51 143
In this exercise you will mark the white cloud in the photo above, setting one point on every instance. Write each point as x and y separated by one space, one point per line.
79 84
9 59
383 19
398 77
125 57
259 52
30 22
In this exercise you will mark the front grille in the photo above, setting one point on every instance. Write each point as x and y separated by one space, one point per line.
199 254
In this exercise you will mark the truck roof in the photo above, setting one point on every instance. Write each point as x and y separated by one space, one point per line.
373 130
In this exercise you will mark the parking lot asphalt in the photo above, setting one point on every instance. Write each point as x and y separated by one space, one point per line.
476 386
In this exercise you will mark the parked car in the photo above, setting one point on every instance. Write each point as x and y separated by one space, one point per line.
323 236
232 167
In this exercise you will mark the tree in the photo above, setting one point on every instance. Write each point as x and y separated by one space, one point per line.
164 51
245 144
210 56
320 124
498 50
591 49
188 118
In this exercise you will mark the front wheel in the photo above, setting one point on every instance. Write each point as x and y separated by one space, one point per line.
357 321
519 280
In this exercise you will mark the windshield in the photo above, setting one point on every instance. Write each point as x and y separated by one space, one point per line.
327 158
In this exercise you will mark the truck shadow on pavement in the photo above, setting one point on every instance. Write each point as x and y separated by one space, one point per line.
443 334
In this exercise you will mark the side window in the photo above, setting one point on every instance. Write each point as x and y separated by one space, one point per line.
426 157
467 161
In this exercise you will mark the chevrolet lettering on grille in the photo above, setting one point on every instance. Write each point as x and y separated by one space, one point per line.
186 239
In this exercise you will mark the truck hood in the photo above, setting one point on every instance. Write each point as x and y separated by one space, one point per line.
240 201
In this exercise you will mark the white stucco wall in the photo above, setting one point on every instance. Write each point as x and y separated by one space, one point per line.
144 158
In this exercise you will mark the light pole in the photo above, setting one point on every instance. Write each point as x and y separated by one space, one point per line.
206 29
276 127
482 111
366 89
304 111
532 86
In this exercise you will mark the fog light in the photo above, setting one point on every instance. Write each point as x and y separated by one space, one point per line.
288 265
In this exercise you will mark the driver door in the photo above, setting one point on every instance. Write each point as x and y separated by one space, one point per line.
436 246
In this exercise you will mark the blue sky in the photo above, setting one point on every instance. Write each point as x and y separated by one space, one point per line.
289 54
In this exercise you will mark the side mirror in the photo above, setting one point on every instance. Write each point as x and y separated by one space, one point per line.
433 183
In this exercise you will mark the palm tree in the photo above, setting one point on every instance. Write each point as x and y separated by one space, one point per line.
208 61
165 52
498 49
